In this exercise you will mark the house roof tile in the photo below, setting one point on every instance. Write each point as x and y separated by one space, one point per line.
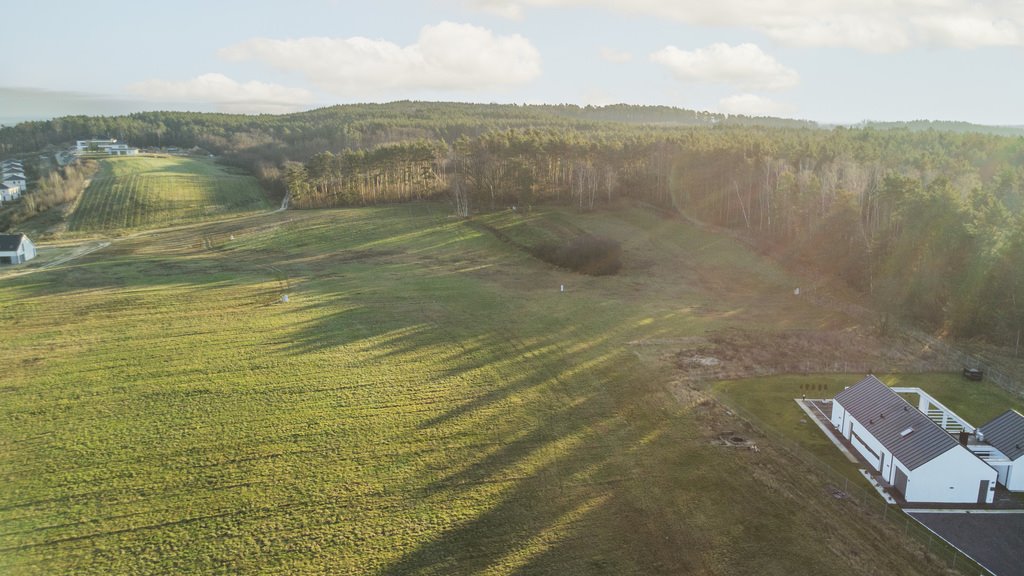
909 435
1006 433
10 242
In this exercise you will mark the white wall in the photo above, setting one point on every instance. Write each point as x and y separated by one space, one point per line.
1015 481
19 183
837 415
952 477
29 248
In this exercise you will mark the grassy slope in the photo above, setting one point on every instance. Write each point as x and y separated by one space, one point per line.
427 403
770 400
145 192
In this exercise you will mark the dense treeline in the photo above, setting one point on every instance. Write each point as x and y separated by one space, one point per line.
358 126
928 222
924 216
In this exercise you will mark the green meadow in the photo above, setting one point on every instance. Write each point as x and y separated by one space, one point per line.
770 401
428 401
149 191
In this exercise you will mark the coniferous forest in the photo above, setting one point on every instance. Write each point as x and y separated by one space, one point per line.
926 218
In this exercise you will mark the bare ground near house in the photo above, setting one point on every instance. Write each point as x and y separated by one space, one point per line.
739 353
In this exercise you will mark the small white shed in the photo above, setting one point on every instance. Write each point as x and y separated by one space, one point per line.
912 453
16 248
1006 434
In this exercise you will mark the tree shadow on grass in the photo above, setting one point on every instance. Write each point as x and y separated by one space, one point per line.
568 483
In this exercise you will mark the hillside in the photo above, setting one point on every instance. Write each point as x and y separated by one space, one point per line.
146 192
923 218
427 402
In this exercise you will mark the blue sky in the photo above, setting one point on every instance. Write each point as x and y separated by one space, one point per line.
837 61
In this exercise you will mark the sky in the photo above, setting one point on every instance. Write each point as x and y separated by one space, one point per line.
831 61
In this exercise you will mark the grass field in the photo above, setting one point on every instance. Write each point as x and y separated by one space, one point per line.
428 402
148 192
770 401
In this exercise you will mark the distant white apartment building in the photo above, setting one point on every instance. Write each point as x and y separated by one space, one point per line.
110 146
122 150
99 145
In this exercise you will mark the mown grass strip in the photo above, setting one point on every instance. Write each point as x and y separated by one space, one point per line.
148 192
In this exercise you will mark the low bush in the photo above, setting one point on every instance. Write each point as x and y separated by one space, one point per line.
587 254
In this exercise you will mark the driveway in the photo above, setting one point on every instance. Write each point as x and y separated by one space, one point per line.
995 539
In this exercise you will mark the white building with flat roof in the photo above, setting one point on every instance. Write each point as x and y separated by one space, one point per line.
94 145
122 150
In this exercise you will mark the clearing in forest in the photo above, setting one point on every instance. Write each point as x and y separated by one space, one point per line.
147 192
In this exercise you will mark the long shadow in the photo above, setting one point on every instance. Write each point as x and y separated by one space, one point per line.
562 475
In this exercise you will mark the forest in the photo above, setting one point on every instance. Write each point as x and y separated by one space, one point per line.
923 217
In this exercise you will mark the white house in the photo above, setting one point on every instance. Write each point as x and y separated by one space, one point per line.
15 181
910 451
9 193
1006 434
16 248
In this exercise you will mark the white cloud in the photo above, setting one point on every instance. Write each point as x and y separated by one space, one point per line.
502 8
615 56
447 56
744 66
227 94
968 31
752 105
868 25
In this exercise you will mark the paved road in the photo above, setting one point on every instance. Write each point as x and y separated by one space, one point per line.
996 541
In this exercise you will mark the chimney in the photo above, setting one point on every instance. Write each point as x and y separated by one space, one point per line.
964 436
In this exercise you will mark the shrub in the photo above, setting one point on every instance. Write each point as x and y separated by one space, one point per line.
593 255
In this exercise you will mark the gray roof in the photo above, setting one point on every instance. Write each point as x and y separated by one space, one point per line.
1006 433
10 242
887 416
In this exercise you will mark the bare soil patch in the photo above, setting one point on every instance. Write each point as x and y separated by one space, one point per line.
737 353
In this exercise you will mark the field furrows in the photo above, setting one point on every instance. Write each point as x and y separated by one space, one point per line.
144 193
